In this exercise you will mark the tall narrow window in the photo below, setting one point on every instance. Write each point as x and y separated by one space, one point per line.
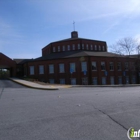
53 49
95 47
78 46
126 66
82 46
87 46
58 48
63 48
51 68
41 69
91 47
31 70
102 65
94 67
68 47
61 68
111 65
103 48
119 66
99 48
73 46
84 66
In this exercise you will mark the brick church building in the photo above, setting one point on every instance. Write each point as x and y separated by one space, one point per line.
79 61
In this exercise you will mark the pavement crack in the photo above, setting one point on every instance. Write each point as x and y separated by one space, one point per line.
111 118
1 92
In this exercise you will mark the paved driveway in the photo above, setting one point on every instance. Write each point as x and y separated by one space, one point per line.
69 114
5 83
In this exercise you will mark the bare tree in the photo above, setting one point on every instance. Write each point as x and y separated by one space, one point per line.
124 46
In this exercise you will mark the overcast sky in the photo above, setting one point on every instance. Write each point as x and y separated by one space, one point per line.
26 26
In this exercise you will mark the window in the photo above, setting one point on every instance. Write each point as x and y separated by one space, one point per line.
112 80
58 48
31 70
87 46
51 68
73 46
103 48
73 81
63 48
72 67
95 47
61 68
119 66
102 65
119 80
126 66
53 49
94 81
127 79
91 47
99 47
84 66
103 80
41 69
62 81
85 81
78 46
133 79
68 47
94 67
111 66
133 66
82 46
51 81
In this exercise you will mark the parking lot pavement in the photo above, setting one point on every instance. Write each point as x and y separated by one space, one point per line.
69 114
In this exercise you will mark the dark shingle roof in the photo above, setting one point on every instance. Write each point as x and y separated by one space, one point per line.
70 54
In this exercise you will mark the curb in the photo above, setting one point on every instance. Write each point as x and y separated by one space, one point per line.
128 85
33 86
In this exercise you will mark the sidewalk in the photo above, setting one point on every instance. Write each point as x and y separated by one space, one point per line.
38 86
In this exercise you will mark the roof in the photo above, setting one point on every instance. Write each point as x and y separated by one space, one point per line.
22 61
71 54
71 39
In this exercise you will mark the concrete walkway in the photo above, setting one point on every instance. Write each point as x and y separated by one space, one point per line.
38 86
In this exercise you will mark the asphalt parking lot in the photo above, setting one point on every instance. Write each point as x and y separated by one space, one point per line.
68 114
